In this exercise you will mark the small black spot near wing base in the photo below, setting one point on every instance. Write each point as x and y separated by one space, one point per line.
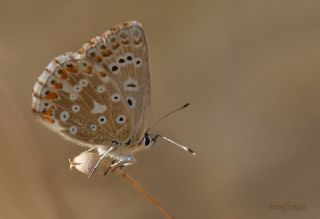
115 142
131 85
128 142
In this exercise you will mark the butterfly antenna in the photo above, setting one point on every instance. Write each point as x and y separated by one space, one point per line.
177 144
166 115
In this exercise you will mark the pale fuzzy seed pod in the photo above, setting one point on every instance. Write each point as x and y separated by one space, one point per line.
86 161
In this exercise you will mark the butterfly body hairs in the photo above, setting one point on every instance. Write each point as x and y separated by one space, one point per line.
99 96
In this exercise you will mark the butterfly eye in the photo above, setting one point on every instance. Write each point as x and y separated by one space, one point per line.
102 120
146 141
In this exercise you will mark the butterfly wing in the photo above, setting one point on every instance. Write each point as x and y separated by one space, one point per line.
124 50
100 94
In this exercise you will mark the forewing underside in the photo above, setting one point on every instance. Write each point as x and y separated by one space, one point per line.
123 51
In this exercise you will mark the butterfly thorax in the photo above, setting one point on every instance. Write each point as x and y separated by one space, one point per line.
128 149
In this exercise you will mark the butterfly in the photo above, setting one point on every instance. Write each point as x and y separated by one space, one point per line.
99 96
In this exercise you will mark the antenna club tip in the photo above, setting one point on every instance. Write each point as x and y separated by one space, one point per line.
191 151
185 105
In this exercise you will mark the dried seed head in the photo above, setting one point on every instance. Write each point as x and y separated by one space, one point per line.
86 161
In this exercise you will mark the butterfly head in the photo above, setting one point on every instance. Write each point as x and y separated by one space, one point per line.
149 139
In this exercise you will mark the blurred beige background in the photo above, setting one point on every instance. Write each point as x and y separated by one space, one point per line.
251 70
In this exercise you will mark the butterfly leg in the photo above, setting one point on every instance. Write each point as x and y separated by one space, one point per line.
90 149
108 170
122 162
97 164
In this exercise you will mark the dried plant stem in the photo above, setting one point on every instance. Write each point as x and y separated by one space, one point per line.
137 186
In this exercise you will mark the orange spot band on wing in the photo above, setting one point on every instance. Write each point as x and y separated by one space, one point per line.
103 74
72 68
51 95
58 85
106 53
88 69
98 59
137 42
63 74
115 46
125 42
47 115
